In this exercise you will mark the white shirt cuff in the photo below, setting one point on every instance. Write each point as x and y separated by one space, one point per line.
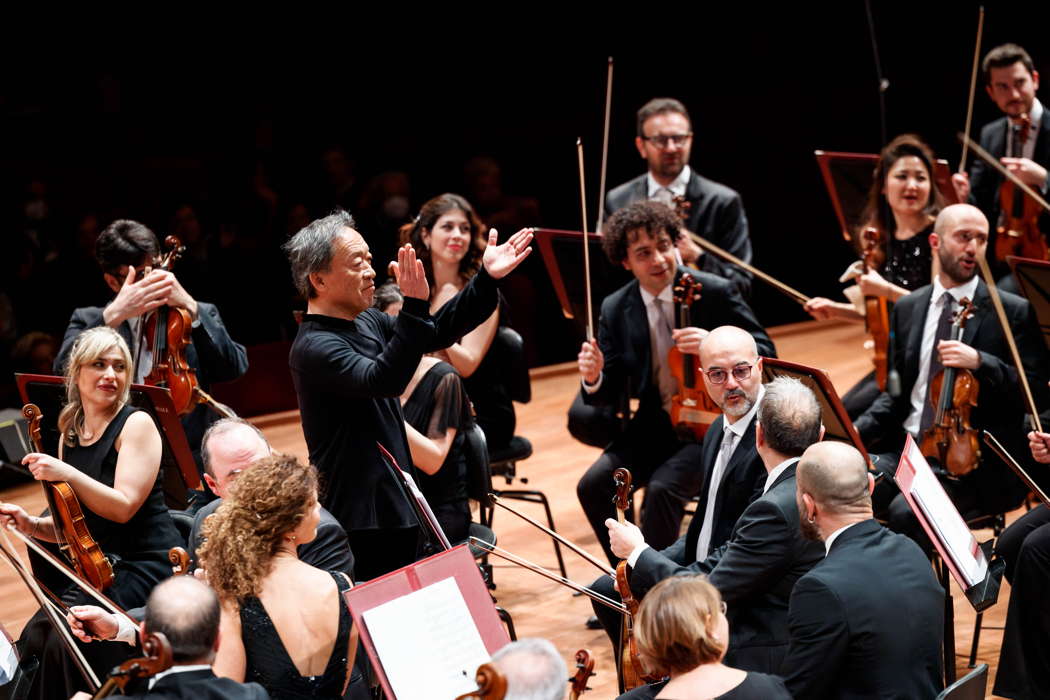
591 388
632 558
127 631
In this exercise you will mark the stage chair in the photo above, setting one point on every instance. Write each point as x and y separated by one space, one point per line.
972 686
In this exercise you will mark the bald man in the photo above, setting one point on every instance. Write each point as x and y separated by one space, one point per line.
867 621
920 325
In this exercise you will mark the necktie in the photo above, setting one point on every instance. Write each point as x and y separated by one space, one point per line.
660 334
703 542
944 329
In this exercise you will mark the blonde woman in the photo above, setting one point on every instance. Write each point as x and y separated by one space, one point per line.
284 623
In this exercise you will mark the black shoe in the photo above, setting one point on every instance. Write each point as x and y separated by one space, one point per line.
593 623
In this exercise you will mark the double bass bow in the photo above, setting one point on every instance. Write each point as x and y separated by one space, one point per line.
692 410
70 526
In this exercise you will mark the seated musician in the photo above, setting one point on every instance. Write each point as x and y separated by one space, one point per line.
629 358
187 613
765 553
683 630
920 323
109 453
124 250
867 620
902 203
533 669
284 624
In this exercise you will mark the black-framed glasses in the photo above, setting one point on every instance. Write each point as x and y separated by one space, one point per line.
662 140
719 375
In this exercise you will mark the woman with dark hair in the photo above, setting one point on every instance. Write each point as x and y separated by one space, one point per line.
449 239
284 624
902 204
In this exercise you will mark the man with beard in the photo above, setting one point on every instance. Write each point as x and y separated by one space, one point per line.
867 621
921 324
708 209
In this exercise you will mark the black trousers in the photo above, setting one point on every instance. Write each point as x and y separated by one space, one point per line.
668 468
1024 659
378 552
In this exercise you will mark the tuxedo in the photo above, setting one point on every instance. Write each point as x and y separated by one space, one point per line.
992 487
867 621
716 214
329 550
673 470
985 180
203 684
212 354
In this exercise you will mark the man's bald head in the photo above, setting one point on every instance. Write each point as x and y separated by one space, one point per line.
186 612
727 340
835 476
954 214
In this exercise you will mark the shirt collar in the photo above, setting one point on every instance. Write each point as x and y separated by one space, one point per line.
833 536
178 669
777 471
665 295
958 293
738 428
678 186
1036 115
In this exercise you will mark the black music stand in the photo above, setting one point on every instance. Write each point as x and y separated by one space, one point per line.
178 470
1033 277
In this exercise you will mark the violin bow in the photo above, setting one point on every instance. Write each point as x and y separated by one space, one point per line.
605 146
1000 313
767 278
973 85
987 158
1023 475
586 244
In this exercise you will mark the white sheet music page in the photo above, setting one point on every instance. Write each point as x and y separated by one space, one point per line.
944 517
427 642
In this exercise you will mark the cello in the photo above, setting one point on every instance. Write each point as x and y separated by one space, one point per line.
876 314
951 438
1019 233
692 410
70 526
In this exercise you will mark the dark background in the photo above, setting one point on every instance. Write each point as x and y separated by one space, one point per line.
239 123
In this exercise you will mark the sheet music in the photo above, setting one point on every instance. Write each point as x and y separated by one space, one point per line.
943 516
427 642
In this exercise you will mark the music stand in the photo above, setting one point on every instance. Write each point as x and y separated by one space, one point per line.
848 177
178 470
1033 277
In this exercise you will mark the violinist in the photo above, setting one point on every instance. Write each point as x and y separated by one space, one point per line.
109 454
187 613
629 358
902 204
920 322
533 668
1020 139
125 250
709 209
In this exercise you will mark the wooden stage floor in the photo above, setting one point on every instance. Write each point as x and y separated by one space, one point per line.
542 608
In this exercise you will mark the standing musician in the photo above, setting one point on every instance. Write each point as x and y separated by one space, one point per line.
902 204
708 209
629 358
765 554
124 251
920 324
1011 81
350 362
109 454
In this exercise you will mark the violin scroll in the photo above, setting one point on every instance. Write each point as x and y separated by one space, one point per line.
584 671
622 479
33 416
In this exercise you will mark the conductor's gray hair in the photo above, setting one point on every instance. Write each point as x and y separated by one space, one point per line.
310 250
534 670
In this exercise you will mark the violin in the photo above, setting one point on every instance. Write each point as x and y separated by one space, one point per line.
158 658
180 561
692 410
1019 233
951 438
584 671
71 527
876 313
492 685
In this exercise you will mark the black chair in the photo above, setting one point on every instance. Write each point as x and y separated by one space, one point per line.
479 485
183 524
972 686
997 523
504 460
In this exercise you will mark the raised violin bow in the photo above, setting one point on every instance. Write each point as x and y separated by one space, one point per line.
973 84
586 244
987 158
765 277
605 145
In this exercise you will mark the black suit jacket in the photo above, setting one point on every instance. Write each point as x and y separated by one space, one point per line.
203 684
985 180
754 571
623 336
212 354
717 214
328 551
867 621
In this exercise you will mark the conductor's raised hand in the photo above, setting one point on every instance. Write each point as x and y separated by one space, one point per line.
500 260
411 277
591 361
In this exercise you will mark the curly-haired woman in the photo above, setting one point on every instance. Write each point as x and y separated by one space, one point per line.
284 624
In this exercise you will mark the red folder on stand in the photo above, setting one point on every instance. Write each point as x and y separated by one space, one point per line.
457 564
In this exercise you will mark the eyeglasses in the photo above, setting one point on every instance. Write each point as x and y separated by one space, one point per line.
662 140
719 376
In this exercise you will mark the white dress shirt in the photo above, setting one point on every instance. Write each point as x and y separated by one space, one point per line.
1028 148
833 536
676 188
777 471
